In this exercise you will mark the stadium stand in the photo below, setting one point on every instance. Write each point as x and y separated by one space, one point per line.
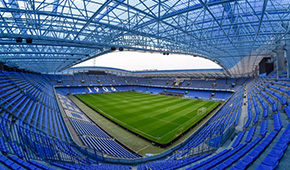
245 149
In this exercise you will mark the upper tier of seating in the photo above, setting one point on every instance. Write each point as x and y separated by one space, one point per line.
85 79
202 94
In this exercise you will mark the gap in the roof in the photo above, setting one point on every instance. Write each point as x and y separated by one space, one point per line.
132 61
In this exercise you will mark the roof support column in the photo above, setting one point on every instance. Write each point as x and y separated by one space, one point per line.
287 47
280 60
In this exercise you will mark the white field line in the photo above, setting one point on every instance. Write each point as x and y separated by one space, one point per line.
176 127
116 120
164 121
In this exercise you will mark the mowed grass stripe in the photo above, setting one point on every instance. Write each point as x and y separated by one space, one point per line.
153 109
172 115
158 118
136 103
160 110
140 109
126 96
124 108
124 103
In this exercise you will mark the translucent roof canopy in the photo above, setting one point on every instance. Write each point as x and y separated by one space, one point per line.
66 32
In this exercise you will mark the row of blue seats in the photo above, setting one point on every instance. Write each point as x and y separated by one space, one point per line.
3 125
272 159
209 160
155 90
238 139
222 95
231 160
287 111
280 83
201 83
277 122
238 116
263 104
264 127
84 128
256 107
91 167
250 116
171 164
269 99
281 89
109 146
281 98
124 88
161 82
15 163
255 153
222 159
250 134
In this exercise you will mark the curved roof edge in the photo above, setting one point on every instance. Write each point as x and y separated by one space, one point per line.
143 71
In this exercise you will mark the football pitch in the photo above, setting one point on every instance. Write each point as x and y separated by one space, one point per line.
158 118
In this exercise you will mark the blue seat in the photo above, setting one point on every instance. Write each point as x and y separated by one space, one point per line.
16 149
10 164
271 161
280 146
287 110
277 122
276 153
263 129
274 107
3 146
250 134
238 139
264 167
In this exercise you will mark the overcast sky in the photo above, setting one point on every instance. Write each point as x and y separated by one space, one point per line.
139 61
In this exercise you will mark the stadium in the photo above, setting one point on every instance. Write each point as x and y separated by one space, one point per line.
57 115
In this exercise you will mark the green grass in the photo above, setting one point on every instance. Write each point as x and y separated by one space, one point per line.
158 118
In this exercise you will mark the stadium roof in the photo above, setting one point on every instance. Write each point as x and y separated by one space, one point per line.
57 34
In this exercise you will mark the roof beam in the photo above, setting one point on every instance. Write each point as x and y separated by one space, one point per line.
40 52
17 16
93 17
55 6
209 11
134 8
182 11
260 21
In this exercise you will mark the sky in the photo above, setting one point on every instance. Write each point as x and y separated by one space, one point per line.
133 61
